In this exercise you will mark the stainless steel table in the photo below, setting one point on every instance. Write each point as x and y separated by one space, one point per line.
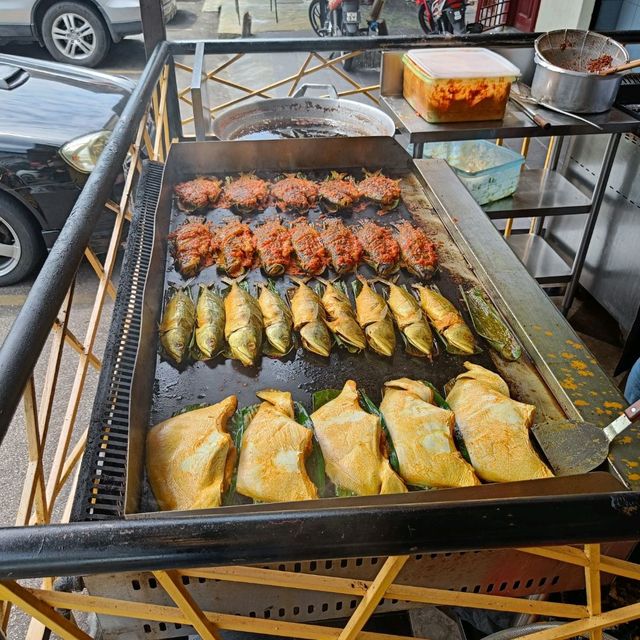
541 193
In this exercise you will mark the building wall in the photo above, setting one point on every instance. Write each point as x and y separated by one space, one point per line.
570 14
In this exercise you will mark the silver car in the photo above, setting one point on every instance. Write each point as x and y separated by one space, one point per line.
74 31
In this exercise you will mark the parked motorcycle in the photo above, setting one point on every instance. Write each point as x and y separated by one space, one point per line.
332 18
445 16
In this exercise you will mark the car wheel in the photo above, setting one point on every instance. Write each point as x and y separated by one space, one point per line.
75 34
21 245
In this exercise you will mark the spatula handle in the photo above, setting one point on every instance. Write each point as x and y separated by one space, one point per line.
633 411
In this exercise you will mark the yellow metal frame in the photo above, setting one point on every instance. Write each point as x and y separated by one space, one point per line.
41 490
589 619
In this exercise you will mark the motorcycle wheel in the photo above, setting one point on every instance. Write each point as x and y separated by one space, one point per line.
347 64
315 17
426 22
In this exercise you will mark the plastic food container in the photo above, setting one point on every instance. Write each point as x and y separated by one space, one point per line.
489 172
457 84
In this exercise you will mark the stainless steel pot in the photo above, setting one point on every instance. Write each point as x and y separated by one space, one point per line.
302 116
561 78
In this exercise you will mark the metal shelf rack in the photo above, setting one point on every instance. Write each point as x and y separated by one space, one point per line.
542 193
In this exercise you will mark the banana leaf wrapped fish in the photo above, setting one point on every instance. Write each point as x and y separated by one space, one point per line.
277 320
350 439
236 247
495 428
190 457
209 335
447 321
381 250
273 243
410 320
489 325
311 256
177 324
243 325
374 317
341 318
342 244
273 453
418 252
310 320
422 435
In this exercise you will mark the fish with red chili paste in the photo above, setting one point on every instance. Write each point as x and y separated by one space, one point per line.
381 190
273 243
342 244
193 246
237 247
246 193
294 193
381 250
419 254
339 192
198 194
311 256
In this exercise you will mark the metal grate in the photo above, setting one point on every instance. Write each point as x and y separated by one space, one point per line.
101 484
493 13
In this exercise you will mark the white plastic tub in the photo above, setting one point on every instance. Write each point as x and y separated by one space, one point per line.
490 172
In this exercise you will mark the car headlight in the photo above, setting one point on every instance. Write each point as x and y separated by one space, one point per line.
83 153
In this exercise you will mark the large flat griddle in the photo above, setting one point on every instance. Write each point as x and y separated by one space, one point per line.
161 389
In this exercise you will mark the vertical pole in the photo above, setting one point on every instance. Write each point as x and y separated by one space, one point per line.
592 585
598 195
153 29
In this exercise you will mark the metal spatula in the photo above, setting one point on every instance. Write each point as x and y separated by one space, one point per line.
572 447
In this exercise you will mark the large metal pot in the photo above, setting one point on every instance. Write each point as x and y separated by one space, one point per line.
302 117
561 78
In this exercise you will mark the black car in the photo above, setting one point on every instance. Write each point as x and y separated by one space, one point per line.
54 122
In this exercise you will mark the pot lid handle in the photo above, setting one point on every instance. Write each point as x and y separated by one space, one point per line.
327 88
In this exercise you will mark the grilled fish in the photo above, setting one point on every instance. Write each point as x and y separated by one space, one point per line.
350 441
273 242
342 244
418 252
176 326
190 457
273 453
375 318
381 251
380 189
209 323
198 194
488 324
310 320
237 247
410 319
311 256
277 319
246 193
422 436
338 192
447 321
243 325
193 246
341 318
294 193
494 427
